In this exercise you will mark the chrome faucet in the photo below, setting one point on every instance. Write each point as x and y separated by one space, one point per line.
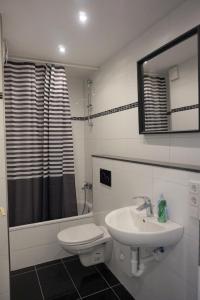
146 205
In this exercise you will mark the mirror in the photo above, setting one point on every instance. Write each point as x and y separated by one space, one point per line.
168 87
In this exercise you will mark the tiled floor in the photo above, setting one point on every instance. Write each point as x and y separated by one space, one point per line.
66 279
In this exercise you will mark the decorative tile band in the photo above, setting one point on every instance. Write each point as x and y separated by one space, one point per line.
115 110
130 106
108 112
78 118
183 108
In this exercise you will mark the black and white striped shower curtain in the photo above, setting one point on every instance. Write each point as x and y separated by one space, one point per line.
40 161
155 103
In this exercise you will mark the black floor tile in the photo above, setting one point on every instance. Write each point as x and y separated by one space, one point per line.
86 279
49 263
122 293
25 286
104 295
56 283
21 271
70 258
107 274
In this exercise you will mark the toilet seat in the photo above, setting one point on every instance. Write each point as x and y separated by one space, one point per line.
80 235
87 241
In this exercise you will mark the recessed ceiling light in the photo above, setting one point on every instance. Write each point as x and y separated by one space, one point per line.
83 17
61 49
145 62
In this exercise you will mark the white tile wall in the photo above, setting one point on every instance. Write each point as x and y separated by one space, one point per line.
176 276
115 84
117 134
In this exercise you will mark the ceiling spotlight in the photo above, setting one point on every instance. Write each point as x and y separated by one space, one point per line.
83 17
61 49
145 62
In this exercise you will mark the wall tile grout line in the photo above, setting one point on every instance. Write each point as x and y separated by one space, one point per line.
68 273
107 282
39 283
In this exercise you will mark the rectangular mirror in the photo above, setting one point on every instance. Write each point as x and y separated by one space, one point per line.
168 87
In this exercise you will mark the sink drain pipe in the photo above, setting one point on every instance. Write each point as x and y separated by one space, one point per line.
138 264
137 267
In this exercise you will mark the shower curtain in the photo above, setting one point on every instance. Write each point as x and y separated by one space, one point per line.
155 103
39 142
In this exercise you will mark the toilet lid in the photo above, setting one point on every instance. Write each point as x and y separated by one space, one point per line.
81 234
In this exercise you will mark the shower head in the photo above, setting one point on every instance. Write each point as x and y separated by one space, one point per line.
89 82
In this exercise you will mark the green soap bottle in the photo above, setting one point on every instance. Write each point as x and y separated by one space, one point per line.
162 210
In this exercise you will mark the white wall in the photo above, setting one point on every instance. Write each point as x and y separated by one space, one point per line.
184 92
176 276
116 84
4 251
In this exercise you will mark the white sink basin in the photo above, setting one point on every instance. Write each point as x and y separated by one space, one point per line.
131 227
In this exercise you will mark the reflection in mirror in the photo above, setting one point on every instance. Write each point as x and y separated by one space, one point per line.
170 82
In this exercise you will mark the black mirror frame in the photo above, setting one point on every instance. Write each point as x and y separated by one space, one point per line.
140 73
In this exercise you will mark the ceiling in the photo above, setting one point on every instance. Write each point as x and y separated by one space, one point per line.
35 28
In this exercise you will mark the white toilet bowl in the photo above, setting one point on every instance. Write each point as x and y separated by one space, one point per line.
92 243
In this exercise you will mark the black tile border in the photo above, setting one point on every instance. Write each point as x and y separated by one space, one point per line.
107 112
115 110
168 165
130 106
1 95
78 118
183 108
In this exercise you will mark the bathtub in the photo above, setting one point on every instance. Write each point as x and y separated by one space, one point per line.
36 243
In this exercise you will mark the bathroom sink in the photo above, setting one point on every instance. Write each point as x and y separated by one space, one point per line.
131 227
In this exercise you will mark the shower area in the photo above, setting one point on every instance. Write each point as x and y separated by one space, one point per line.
47 108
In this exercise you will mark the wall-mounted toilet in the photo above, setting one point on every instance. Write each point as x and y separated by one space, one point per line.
92 243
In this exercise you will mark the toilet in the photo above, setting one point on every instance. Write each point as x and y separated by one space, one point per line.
92 243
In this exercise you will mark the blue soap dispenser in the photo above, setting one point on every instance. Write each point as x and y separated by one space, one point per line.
162 210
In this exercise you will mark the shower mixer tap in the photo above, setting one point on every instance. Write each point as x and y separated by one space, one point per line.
87 186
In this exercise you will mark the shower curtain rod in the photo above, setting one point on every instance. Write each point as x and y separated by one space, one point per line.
39 61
